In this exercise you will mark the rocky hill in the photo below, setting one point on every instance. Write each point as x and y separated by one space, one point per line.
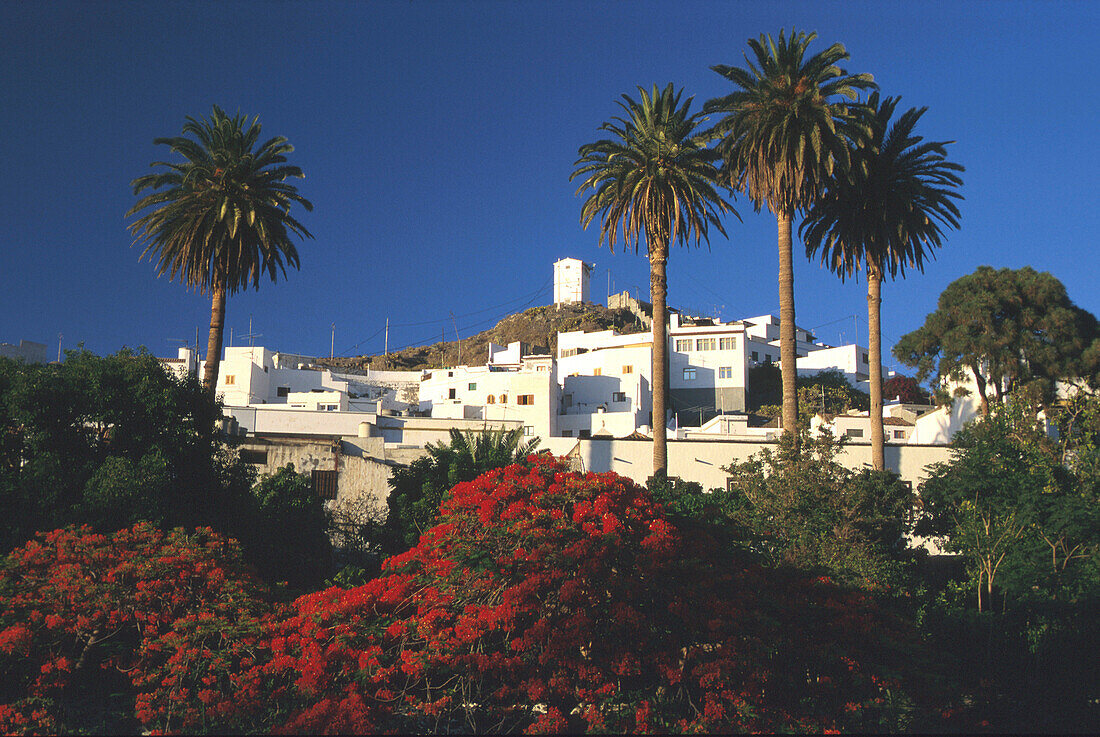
537 327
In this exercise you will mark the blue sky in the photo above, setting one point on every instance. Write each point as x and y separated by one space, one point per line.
438 138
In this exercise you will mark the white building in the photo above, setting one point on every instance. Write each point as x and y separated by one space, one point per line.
605 383
511 387
186 363
27 351
571 278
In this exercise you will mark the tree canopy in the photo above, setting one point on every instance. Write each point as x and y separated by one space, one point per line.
1005 328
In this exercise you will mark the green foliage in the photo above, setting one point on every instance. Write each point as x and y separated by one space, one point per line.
417 491
109 441
1006 328
1027 525
287 535
806 510
826 392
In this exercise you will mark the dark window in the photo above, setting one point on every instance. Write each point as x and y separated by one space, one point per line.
584 434
450 394
282 391
324 484
853 432
259 457
755 356
618 396
525 399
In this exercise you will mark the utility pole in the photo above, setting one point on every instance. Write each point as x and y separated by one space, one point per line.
332 345
457 339
59 336
387 337
442 347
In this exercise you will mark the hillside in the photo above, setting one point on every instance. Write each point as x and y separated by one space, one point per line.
537 326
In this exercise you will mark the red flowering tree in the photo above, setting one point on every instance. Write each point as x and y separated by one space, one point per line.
96 630
553 601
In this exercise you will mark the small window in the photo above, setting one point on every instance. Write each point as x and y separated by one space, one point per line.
865 360
567 433
567 400
705 344
727 344
258 457
755 356
450 374
725 372
503 398
628 369
585 434
450 394
597 372
618 396
854 432
899 435
525 399
490 399
230 379
528 430
767 358
282 391
328 407
472 386
689 374
324 484
683 345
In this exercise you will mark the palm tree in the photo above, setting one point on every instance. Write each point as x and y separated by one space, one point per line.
787 127
221 217
885 214
655 179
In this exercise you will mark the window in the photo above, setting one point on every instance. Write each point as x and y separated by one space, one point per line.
525 399
725 372
567 433
324 484
230 379
450 374
854 432
450 394
628 369
585 434
472 386
705 344
683 345
282 391
899 435
259 457
597 372
755 356
689 374
528 430
328 407
618 396
865 358
490 399
767 358
727 344
567 400
503 398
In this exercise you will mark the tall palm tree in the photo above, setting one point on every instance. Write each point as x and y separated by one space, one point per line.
885 214
655 178
221 217
787 127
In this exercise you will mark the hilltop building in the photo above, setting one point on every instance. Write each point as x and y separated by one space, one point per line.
571 281
27 351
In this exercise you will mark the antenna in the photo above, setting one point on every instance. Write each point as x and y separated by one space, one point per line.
458 339
59 336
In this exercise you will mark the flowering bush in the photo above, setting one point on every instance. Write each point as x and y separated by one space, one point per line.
96 630
553 601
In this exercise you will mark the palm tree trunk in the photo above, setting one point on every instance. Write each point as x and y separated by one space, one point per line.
658 290
788 362
874 349
214 342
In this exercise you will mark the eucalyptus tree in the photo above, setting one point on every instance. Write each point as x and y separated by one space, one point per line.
787 127
655 179
221 217
887 212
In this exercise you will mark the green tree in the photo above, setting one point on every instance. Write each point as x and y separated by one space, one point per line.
286 536
221 217
417 491
1006 328
787 128
1023 520
110 441
883 214
798 506
655 179
826 392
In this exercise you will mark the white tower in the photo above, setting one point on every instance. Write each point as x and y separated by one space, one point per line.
571 281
